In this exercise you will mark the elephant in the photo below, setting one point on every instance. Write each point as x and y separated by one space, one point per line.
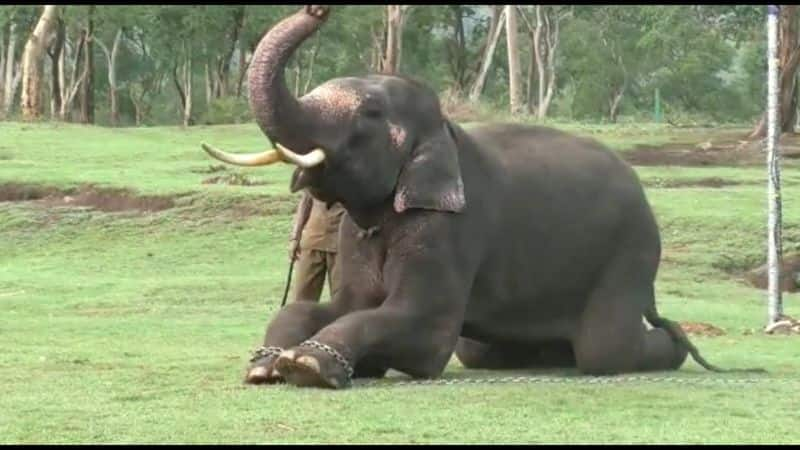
511 246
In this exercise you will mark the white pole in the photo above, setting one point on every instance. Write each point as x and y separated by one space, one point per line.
773 170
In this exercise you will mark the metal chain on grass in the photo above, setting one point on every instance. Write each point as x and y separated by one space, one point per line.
582 380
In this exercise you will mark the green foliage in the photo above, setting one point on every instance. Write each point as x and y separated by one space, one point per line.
228 110
707 60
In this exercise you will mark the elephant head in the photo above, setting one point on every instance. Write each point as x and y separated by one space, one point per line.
362 141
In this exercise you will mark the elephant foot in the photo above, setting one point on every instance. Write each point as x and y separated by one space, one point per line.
311 366
262 368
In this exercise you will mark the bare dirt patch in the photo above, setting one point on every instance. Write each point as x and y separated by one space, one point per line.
733 150
106 200
701 329
234 179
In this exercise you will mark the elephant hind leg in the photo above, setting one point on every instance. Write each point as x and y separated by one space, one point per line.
479 355
611 337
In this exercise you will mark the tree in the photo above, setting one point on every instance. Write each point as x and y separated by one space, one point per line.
176 35
15 20
109 35
788 61
87 87
544 38
55 51
32 64
111 60
458 48
514 86
12 73
147 76
389 45
70 86
493 35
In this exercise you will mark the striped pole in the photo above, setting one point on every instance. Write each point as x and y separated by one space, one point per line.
774 300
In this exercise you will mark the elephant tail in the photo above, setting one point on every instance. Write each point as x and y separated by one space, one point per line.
676 333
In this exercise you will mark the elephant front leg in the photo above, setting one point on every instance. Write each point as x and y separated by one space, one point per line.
293 324
412 343
426 275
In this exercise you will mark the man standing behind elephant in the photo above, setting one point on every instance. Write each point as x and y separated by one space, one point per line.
314 244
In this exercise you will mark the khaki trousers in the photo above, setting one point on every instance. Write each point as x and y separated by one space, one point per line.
312 268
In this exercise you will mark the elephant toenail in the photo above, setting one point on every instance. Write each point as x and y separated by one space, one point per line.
256 373
310 362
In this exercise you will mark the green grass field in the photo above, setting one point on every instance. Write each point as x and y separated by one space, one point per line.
132 327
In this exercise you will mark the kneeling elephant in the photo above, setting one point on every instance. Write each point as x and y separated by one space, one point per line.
512 246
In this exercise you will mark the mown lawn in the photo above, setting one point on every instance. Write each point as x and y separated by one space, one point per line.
133 327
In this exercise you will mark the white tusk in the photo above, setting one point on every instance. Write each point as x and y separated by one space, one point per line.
306 161
250 159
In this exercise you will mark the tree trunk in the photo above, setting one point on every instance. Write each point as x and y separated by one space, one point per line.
532 68
395 21
76 81
513 59
56 59
548 97
187 111
244 63
551 41
788 60
540 57
187 98
457 51
32 64
224 66
297 71
376 55
613 104
87 91
486 60
3 35
112 79
137 107
138 99
111 61
390 57
177 80
209 87
311 65
13 72
61 78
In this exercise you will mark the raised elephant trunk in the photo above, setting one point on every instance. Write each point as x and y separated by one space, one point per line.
277 112
281 117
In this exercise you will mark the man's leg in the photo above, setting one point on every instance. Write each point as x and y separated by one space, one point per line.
334 272
310 276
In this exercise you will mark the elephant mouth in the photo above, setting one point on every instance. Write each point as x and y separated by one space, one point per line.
306 178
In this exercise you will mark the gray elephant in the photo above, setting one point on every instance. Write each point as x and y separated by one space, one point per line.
512 246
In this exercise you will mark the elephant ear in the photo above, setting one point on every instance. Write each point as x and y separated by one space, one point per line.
431 179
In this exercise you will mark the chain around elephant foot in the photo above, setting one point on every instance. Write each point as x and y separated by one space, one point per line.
314 364
262 367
